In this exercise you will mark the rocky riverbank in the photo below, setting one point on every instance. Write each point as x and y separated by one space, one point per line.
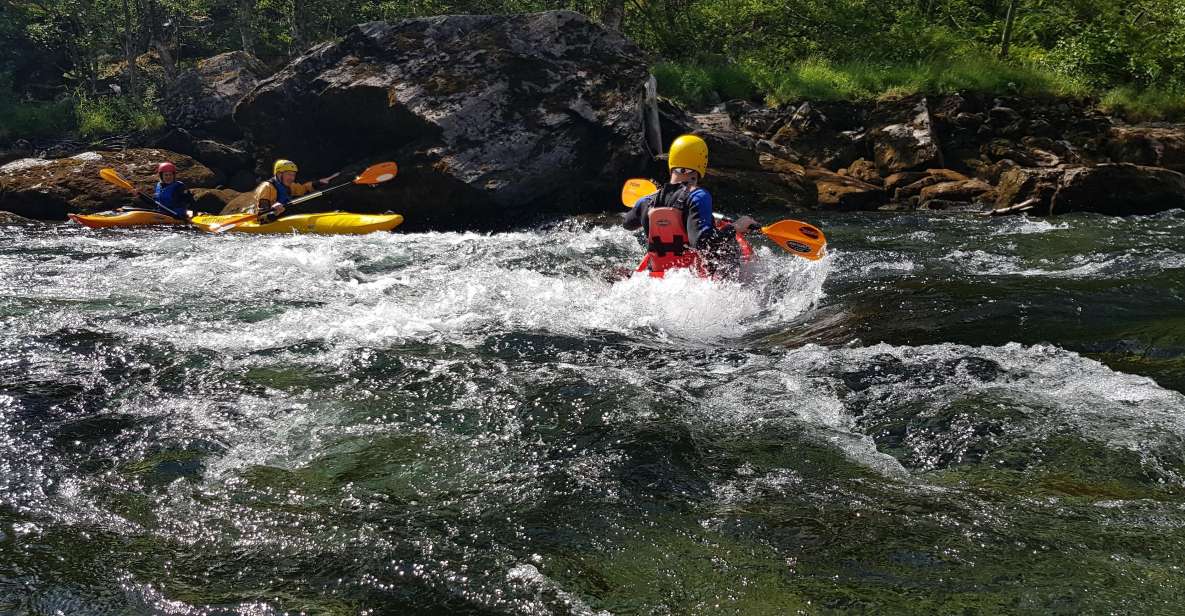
501 121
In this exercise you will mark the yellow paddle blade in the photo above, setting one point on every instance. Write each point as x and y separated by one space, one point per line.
799 238
232 223
377 174
635 189
112 177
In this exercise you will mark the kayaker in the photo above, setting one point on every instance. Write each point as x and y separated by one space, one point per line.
273 195
170 196
678 221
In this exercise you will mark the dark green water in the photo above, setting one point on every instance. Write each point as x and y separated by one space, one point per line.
947 415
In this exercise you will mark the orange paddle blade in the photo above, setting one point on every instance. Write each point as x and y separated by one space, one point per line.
112 177
798 238
377 174
635 189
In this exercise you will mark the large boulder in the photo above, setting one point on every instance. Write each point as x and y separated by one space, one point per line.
827 135
48 189
965 190
491 118
727 145
737 191
1021 185
904 137
1119 189
844 193
1149 146
204 98
215 200
232 166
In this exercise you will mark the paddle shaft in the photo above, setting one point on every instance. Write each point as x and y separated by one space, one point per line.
113 177
796 237
375 174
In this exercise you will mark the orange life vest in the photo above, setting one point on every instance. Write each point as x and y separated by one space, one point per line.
667 238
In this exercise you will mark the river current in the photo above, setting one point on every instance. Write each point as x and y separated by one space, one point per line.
945 415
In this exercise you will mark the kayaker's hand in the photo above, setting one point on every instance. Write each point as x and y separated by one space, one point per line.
745 224
278 209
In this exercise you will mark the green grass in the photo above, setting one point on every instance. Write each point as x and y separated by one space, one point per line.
89 117
98 117
1137 105
817 79
695 84
38 119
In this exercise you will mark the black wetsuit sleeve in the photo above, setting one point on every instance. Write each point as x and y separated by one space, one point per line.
633 218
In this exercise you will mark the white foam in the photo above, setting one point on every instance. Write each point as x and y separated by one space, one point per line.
444 286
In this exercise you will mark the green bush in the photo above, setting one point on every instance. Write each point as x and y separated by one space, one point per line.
101 116
34 119
698 85
820 79
1138 105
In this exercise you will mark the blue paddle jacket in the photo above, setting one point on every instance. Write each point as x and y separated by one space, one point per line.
173 198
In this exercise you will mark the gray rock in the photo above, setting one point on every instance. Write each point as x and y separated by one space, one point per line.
50 189
909 145
205 98
489 117
1119 189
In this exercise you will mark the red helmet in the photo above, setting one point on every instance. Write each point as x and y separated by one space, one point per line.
166 168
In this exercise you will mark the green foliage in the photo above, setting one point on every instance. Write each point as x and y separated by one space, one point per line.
1151 104
707 50
34 119
819 79
701 85
101 116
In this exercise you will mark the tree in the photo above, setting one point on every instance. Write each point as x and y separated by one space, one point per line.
1009 20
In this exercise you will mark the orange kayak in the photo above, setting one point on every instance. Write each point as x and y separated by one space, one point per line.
696 263
132 218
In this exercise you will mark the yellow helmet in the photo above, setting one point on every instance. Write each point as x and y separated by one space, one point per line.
690 152
283 165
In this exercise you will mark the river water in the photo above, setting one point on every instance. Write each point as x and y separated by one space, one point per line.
945 415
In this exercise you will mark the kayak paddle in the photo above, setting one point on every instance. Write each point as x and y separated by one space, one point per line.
371 176
794 236
111 176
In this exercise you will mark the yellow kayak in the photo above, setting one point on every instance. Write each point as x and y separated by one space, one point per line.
333 223
130 218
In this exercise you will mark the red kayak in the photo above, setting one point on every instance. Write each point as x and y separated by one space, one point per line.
694 262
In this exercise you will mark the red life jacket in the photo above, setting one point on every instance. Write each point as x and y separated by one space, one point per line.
667 239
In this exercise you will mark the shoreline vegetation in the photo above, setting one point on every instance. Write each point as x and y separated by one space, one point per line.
695 85
700 85
100 67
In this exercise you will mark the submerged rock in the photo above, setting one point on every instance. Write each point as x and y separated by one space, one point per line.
8 218
48 189
491 118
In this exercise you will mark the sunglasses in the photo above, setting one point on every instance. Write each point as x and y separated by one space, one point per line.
683 170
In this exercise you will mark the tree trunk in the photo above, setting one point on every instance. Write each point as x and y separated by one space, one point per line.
158 38
613 13
246 25
1006 40
166 58
129 50
294 27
